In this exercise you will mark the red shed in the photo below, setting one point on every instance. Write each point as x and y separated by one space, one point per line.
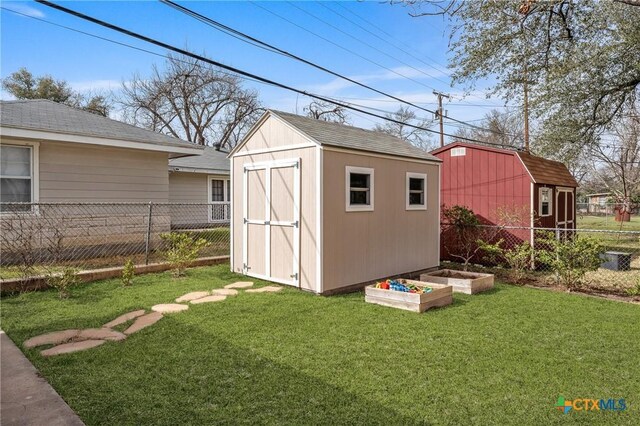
490 180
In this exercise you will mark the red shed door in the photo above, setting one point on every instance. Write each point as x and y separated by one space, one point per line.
565 214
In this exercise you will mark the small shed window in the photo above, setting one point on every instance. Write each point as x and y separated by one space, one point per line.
359 185
16 175
416 191
546 198
458 152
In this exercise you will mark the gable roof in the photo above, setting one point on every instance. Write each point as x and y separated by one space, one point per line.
348 137
41 115
211 161
541 170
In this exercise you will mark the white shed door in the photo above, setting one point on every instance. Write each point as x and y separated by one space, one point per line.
271 228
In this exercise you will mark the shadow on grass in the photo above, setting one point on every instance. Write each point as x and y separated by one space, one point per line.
203 379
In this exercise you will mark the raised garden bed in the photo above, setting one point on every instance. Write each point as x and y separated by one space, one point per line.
439 295
461 281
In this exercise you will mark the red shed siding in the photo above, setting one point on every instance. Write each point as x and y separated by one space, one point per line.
486 181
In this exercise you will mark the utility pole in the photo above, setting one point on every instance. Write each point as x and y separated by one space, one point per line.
526 108
440 113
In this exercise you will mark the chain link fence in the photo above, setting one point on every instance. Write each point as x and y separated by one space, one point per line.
592 260
606 216
44 238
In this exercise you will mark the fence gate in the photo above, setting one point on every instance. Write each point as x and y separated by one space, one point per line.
271 221
565 211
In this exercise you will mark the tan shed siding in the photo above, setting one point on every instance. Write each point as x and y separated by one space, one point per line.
309 210
81 173
273 133
364 246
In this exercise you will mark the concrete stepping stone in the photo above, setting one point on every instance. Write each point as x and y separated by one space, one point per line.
124 318
208 299
100 333
267 289
54 338
68 348
240 284
169 308
143 322
224 292
192 296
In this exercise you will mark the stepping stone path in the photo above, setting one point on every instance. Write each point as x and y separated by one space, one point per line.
169 308
267 289
224 292
240 284
74 340
124 318
143 322
208 299
100 334
192 296
72 347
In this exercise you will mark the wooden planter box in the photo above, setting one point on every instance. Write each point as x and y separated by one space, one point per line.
441 295
461 281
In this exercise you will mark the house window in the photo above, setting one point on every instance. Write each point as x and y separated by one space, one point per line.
359 189
16 176
416 191
545 201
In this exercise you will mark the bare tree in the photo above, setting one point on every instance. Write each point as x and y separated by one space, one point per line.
327 112
191 100
617 165
417 137
497 128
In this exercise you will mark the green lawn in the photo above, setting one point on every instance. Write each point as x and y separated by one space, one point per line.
608 223
502 357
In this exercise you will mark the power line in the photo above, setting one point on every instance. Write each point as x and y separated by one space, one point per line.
269 47
230 68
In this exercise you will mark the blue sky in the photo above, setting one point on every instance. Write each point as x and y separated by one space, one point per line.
89 63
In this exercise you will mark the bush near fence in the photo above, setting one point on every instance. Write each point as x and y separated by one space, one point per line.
622 282
43 238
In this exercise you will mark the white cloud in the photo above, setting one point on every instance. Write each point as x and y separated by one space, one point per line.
24 9
95 85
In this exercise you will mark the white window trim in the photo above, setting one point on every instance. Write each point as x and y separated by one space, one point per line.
422 206
540 201
35 172
347 185
226 196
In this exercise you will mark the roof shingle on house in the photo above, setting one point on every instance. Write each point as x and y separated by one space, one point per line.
211 161
47 116
349 137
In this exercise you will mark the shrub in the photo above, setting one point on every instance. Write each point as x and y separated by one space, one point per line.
570 257
182 250
64 281
516 259
128 272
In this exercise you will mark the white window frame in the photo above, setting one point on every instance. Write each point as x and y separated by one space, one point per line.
409 206
226 195
550 211
347 179
35 172
459 151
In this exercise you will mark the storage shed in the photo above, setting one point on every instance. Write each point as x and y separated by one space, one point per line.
327 207
492 181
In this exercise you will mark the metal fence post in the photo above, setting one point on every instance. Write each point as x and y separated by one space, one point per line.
147 241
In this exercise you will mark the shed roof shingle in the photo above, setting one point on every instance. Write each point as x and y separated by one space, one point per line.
349 137
548 171
49 116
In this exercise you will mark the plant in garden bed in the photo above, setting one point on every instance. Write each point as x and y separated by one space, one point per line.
182 250
570 258
64 281
128 272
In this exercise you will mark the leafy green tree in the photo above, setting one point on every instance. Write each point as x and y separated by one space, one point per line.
23 85
578 61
